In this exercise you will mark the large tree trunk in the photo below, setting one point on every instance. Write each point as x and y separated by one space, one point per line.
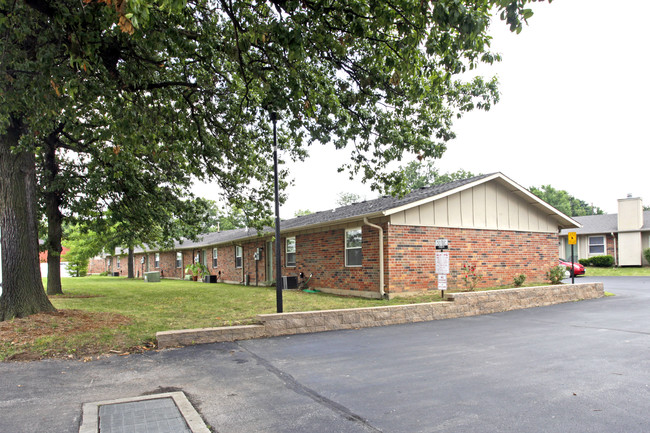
130 265
22 288
54 218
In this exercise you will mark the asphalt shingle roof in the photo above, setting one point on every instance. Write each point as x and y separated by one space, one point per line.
607 223
369 207
356 210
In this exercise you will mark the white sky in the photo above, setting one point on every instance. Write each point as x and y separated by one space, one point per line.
573 111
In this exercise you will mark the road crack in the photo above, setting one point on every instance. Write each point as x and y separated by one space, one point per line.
293 384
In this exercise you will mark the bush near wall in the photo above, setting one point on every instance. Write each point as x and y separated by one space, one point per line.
601 261
584 262
646 254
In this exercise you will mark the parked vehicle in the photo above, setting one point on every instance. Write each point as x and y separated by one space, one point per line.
576 269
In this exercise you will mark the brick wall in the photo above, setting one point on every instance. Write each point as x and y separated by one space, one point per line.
323 254
97 265
497 255
409 259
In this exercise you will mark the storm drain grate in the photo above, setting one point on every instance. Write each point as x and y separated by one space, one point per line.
159 413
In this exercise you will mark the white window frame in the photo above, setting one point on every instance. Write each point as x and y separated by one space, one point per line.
239 255
156 260
117 262
289 263
179 260
349 248
215 256
604 245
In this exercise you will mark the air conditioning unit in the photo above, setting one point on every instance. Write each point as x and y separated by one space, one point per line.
289 282
210 279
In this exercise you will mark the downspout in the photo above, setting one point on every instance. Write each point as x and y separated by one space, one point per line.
381 255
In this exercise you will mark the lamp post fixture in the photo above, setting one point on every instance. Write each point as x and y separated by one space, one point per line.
278 250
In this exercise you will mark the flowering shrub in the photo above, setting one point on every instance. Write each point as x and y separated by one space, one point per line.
470 277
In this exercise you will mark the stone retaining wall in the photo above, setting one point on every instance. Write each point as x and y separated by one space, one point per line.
457 305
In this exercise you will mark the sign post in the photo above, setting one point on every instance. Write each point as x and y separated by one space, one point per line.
442 264
572 241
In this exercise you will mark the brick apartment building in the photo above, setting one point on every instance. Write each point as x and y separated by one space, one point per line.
386 246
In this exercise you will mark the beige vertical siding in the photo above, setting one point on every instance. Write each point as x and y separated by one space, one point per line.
487 206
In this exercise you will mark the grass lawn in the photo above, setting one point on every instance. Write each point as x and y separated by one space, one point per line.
101 315
617 272
122 315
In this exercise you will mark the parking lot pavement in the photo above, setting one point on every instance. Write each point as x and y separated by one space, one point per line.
580 366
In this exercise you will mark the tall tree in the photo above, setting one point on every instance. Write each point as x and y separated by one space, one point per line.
348 198
419 174
187 91
565 202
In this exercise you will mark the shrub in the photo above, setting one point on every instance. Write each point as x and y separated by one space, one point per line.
103 274
470 277
584 262
556 274
519 280
78 267
602 261
646 254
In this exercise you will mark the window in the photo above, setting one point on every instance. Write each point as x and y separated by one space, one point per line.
179 260
290 252
596 245
353 256
118 261
238 256
214 257
156 260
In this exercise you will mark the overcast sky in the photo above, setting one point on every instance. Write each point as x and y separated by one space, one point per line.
573 111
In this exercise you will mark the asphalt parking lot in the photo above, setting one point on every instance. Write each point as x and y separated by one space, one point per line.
575 367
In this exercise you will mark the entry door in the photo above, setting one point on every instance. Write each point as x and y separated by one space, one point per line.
269 261
568 252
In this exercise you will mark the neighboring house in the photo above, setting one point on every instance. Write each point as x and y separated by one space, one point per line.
386 246
623 236
98 264
42 258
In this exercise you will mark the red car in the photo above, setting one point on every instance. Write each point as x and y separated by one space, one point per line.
578 269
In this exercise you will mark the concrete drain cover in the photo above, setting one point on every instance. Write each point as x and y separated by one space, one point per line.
169 412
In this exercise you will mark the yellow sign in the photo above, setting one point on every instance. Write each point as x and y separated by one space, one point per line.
572 238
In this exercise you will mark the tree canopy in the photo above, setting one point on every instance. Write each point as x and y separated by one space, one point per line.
419 174
565 202
105 100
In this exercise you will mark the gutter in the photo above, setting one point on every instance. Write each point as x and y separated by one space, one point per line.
615 253
381 255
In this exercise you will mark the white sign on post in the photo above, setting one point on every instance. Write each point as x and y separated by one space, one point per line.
442 282
442 262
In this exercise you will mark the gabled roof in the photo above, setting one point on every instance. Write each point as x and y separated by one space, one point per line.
383 206
377 207
598 224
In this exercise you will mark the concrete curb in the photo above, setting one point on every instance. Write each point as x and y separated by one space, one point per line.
457 305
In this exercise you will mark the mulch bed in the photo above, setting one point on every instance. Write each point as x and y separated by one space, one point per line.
21 333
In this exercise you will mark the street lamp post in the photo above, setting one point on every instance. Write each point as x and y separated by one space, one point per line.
278 250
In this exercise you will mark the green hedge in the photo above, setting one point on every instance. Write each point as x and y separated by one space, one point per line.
601 261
